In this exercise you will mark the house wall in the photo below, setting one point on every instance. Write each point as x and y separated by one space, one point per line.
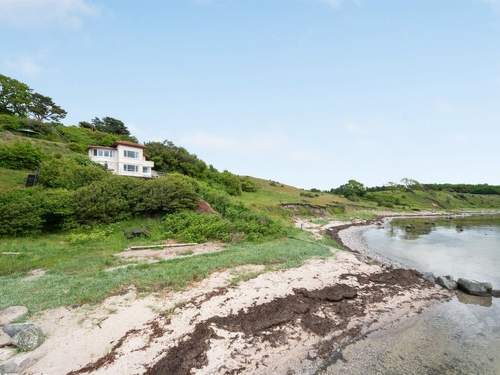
122 162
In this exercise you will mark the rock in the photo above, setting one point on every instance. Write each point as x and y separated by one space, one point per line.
204 207
7 353
136 232
474 288
12 313
28 339
495 293
429 276
447 282
4 339
14 328
17 364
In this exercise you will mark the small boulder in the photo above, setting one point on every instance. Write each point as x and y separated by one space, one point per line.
4 339
447 282
429 276
474 288
7 353
14 328
11 314
28 339
136 233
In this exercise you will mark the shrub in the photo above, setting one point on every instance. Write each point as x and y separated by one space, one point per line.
166 194
196 227
247 185
35 210
117 198
70 172
9 122
230 182
20 155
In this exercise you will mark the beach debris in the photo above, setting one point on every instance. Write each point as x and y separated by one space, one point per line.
12 313
447 282
474 287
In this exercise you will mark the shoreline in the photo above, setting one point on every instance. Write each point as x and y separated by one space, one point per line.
293 321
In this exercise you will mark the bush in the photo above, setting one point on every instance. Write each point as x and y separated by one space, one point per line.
230 182
117 198
195 227
9 122
31 211
247 185
20 155
70 172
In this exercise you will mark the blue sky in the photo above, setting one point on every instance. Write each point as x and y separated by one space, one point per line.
307 92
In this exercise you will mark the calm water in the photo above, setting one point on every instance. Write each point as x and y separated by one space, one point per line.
457 337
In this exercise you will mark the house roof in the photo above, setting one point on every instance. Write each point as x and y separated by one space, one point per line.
106 147
130 144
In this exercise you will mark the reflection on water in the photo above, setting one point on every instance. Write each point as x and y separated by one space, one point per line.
461 336
466 247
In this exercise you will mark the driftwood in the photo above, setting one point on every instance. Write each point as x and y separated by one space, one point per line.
162 246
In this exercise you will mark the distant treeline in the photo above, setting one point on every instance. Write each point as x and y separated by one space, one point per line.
485 189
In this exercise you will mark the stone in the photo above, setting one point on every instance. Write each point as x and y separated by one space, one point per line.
14 328
28 339
11 314
7 353
4 339
429 276
474 287
17 364
447 282
136 232
495 293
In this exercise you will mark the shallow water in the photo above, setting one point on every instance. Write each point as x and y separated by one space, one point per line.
457 337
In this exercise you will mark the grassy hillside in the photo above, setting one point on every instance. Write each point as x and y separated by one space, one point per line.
254 216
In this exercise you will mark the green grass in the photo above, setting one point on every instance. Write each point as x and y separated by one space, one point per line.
76 273
12 179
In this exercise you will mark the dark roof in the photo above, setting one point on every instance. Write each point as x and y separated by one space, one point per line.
127 143
106 147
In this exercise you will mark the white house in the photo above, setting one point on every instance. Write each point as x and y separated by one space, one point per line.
123 158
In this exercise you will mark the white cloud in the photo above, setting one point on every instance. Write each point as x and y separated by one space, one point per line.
23 13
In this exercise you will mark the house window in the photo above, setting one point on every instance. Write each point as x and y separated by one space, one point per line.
130 154
103 153
130 168
145 169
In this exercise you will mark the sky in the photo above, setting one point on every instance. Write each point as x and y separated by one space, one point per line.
307 92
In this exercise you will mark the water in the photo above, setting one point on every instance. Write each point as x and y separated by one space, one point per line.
457 337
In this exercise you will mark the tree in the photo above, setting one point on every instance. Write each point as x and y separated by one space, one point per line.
110 125
43 108
86 125
353 189
15 96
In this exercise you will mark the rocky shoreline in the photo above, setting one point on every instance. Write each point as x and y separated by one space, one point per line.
350 237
